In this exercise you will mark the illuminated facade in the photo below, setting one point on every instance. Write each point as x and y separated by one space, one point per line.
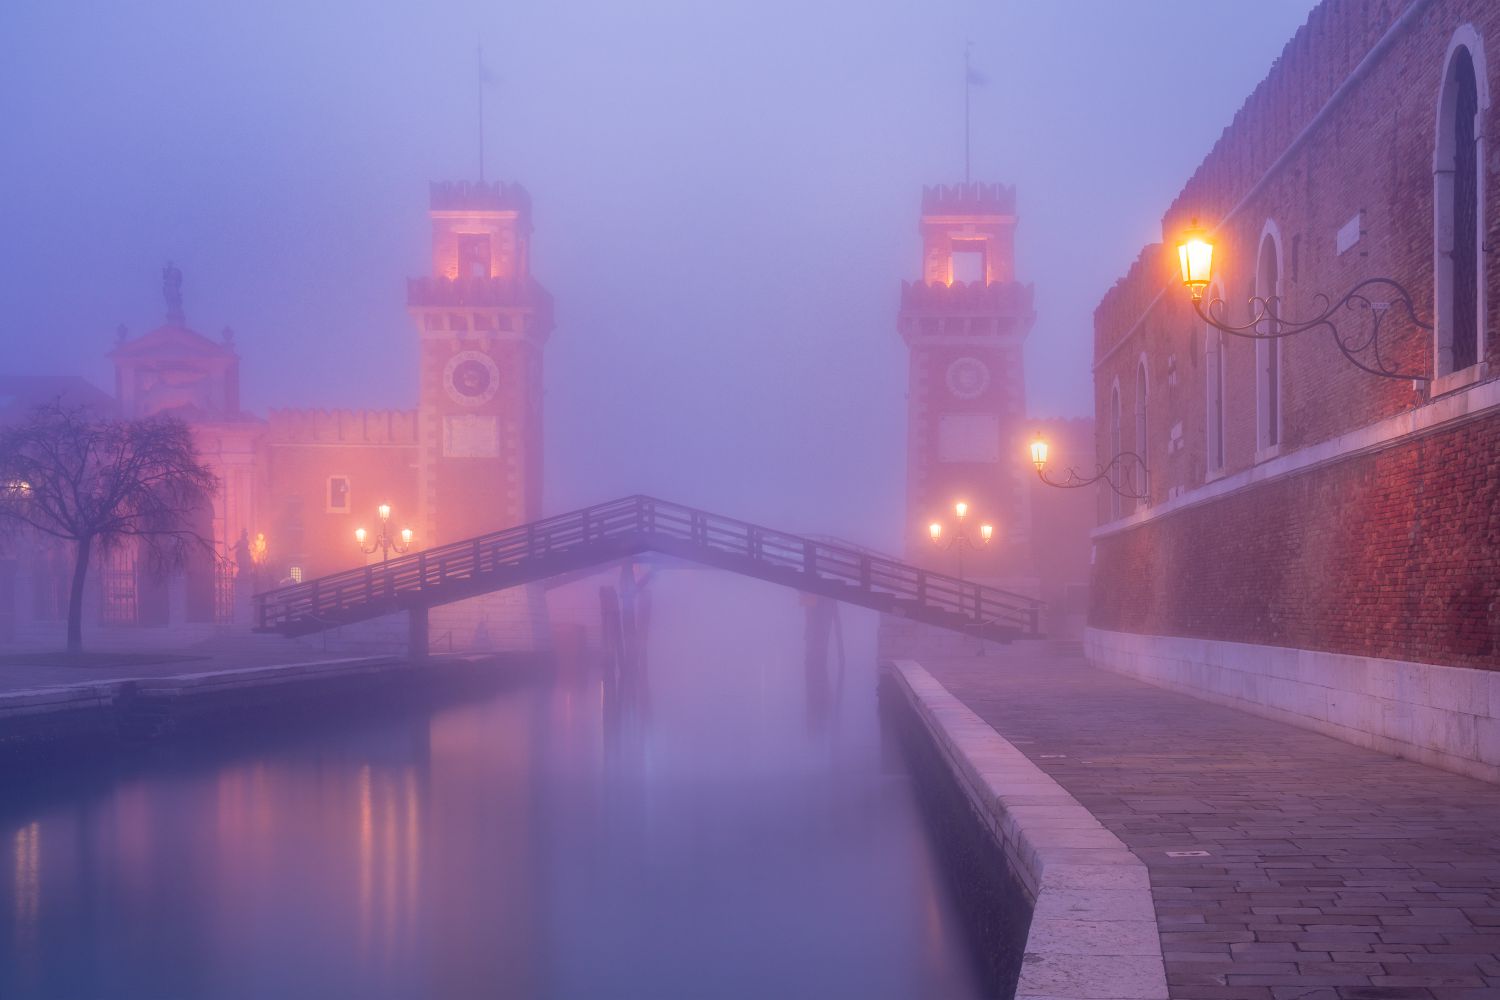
964 324
295 484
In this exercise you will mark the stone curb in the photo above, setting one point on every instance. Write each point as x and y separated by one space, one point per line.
1093 932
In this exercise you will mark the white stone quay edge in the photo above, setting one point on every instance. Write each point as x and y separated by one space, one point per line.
1441 716
1093 934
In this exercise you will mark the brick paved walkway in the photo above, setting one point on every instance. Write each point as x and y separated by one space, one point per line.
1332 871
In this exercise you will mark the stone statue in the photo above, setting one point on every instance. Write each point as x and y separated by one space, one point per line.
171 290
244 561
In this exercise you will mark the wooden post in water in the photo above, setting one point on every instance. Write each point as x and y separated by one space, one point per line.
417 634
819 613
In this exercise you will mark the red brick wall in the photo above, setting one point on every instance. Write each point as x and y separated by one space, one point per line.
1373 155
302 448
1390 554
1393 554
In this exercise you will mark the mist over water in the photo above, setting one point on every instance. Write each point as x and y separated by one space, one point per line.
718 843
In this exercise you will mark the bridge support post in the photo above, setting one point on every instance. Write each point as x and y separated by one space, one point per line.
417 634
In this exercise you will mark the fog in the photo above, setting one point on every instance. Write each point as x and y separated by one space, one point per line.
725 196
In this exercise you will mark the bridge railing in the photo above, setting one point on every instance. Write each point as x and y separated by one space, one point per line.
641 522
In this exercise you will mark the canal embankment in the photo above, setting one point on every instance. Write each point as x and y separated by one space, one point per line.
1282 861
199 695
1092 930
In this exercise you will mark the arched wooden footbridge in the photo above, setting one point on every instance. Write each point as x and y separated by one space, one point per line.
608 532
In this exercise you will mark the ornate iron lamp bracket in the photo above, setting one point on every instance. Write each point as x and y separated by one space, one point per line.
1267 323
1105 474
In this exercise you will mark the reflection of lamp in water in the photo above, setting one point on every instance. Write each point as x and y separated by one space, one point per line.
384 542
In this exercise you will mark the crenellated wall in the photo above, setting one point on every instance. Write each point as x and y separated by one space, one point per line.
319 426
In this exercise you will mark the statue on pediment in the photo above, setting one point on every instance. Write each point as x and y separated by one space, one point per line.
171 290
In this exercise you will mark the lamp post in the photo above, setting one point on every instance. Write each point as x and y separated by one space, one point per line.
384 542
1105 473
960 539
1374 296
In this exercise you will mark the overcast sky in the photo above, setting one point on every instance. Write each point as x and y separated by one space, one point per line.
725 197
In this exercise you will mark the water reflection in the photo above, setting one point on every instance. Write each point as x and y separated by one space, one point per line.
733 834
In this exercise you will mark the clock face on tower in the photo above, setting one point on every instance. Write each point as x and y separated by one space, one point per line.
471 378
968 377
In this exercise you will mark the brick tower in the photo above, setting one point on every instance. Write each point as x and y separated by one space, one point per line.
964 324
483 321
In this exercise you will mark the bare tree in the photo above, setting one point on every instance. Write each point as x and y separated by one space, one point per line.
100 483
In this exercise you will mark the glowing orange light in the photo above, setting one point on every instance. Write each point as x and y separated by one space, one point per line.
359 535
405 536
936 531
961 509
986 531
1039 452
1195 258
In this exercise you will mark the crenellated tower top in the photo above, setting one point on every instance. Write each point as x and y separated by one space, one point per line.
968 234
973 198
478 196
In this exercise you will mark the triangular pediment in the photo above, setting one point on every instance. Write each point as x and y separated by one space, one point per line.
171 342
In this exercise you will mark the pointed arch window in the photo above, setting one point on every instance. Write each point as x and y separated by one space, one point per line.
1142 429
1115 448
1268 351
1214 355
1458 204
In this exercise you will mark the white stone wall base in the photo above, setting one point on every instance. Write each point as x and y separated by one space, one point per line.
1442 716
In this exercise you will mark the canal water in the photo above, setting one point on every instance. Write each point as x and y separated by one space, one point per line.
705 835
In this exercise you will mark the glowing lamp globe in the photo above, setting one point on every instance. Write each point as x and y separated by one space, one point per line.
936 531
405 536
1195 258
1039 453
986 532
359 535
385 512
961 509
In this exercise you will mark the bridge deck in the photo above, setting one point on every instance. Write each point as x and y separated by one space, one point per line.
607 532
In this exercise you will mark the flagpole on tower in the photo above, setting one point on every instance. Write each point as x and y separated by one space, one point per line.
968 87
479 81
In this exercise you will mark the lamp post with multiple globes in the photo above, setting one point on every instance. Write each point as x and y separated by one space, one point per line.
384 542
960 539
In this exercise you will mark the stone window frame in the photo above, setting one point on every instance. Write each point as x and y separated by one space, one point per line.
1446 379
1116 446
328 506
1215 358
1142 440
1270 403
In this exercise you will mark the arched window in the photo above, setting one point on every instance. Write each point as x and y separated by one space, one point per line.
1213 354
1114 444
1138 474
1268 351
1458 204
